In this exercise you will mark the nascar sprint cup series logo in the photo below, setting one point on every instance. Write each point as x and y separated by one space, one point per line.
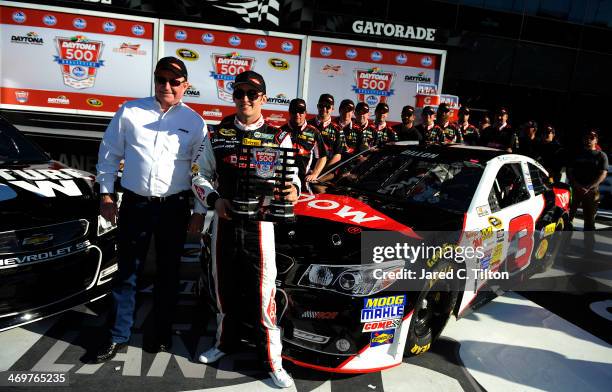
226 67
373 85
79 60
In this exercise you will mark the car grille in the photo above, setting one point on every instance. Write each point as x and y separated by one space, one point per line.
43 237
28 287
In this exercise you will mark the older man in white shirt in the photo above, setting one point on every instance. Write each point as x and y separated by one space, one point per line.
157 137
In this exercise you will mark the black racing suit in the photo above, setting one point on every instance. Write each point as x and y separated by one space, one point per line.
410 134
243 252
353 138
309 143
332 135
383 134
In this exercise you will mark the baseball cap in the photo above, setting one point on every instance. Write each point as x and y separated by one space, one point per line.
347 104
362 108
428 110
464 109
382 107
443 108
591 131
407 111
326 98
531 124
251 78
172 64
502 110
297 105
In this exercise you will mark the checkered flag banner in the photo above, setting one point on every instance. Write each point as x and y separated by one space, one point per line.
251 10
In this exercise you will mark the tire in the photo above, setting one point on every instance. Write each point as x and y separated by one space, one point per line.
431 312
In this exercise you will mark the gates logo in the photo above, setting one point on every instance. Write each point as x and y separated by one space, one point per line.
187 54
95 102
79 60
374 84
226 67
278 64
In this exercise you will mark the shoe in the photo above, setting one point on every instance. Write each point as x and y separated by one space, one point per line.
281 378
107 352
211 355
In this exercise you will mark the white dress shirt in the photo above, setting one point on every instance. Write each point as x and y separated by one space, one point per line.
157 148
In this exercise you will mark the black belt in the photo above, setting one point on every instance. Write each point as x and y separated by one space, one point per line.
155 199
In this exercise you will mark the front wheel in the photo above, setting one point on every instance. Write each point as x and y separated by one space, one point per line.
431 312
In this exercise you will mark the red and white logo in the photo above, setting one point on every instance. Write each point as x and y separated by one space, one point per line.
226 67
79 60
375 83
381 325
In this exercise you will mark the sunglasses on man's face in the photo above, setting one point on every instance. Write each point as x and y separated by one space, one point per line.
173 82
324 106
252 95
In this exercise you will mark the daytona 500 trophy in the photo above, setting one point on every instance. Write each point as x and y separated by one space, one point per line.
263 173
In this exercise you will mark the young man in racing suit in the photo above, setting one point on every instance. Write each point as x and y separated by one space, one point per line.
311 156
352 132
382 132
330 131
243 250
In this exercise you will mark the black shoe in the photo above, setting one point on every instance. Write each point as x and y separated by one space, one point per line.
108 351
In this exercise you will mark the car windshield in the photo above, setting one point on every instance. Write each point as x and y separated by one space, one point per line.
421 179
15 148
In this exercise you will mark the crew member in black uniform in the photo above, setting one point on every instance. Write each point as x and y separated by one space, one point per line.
406 131
352 132
552 153
427 128
500 135
362 114
330 131
449 132
382 132
529 145
243 252
311 156
469 133
587 169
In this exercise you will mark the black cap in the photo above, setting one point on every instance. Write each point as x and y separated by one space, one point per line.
297 105
407 111
347 105
382 107
362 108
326 98
251 78
591 131
502 110
443 108
172 64
531 124
464 110
428 110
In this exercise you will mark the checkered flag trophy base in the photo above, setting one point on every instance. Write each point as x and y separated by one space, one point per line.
263 174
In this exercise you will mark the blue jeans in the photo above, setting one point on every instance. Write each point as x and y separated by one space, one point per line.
139 219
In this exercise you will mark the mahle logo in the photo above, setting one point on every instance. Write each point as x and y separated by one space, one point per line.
187 54
278 64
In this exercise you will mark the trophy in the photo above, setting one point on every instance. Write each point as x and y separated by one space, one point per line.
263 174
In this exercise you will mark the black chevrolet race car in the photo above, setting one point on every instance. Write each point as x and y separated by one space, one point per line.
56 252
349 304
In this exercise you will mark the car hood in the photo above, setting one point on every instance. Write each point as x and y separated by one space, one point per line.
43 193
330 225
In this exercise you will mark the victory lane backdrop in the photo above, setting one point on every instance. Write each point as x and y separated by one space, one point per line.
68 62
214 57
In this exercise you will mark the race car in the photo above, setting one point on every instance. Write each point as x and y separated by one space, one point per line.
350 301
56 252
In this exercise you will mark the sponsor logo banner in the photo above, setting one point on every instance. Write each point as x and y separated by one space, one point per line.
79 60
374 83
383 308
382 337
381 325
226 67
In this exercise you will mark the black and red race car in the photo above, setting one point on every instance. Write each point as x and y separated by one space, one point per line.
347 307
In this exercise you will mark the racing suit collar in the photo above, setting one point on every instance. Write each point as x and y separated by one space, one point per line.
324 123
349 123
301 128
251 127
381 125
365 125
